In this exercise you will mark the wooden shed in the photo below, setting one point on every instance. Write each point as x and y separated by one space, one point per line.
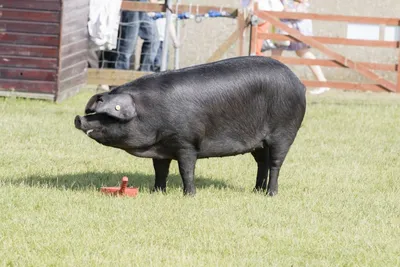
43 47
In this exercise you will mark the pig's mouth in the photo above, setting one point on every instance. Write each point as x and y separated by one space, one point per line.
83 125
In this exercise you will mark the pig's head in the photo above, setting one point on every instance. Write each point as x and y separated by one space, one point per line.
109 119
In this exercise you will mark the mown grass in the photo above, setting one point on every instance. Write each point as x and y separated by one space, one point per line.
338 203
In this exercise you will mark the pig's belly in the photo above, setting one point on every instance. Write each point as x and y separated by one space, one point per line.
207 149
224 148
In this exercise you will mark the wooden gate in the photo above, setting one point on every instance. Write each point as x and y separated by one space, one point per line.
366 69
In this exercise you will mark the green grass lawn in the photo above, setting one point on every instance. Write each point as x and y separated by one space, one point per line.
338 204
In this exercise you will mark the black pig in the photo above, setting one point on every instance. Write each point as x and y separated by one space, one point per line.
225 108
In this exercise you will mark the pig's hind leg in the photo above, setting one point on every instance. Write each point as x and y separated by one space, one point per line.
261 156
161 168
278 149
187 162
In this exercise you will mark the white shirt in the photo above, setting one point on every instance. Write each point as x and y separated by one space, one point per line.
270 5
104 16
161 22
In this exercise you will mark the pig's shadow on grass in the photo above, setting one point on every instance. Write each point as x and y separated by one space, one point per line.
94 180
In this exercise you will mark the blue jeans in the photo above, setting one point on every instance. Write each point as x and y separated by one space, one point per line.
158 59
134 24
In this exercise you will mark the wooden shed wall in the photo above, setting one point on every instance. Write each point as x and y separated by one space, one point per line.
43 47
73 48
29 40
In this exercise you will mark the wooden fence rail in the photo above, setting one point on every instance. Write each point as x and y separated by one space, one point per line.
335 60
366 69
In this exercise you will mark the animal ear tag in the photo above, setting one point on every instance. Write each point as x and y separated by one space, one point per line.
117 107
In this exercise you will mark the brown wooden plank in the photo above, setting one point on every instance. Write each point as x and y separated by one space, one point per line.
151 7
73 82
253 41
27 95
333 63
112 76
72 16
29 27
42 16
73 59
32 5
22 62
73 70
334 40
363 70
74 37
241 25
28 51
328 17
344 85
45 0
29 39
27 86
141 6
61 96
28 74
73 5
254 36
398 73
74 48
74 25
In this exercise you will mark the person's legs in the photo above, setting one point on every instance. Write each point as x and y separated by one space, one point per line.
128 38
148 32
316 70
93 62
157 60
93 58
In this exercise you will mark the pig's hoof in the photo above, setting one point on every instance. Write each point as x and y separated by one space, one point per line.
272 193
189 193
158 190
259 190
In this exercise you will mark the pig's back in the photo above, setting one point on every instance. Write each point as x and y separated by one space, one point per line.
240 72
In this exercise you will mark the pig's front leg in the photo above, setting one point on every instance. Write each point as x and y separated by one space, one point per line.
187 162
161 169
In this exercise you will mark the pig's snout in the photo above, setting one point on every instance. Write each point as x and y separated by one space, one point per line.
78 122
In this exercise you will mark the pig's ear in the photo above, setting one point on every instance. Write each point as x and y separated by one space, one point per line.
92 103
120 106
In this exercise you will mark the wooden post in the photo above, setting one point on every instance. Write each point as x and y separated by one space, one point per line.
241 27
178 36
253 40
253 34
168 18
398 66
